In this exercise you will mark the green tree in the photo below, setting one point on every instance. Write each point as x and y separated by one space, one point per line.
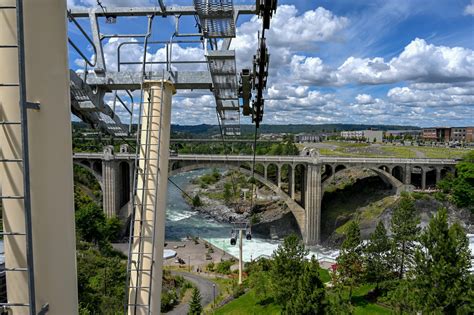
197 201
403 297
405 231
442 265
337 303
349 261
227 192
195 307
309 298
287 265
91 223
377 264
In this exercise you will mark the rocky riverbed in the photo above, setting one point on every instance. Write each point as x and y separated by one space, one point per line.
270 217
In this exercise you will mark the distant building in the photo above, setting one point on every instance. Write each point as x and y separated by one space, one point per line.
305 138
368 135
447 134
462 134
403 133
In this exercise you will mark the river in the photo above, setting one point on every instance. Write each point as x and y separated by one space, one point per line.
182 221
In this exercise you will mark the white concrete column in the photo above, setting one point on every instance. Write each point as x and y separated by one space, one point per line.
291 182
313 204
265 171
110 194
279 176
438 175
423 179
152 188
407 175
50 152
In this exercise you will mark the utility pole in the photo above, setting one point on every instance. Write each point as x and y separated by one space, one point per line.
241 227
240 256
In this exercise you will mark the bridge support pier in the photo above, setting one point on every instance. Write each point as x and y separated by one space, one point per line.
279 176
152 186
423 179
110 193
291 181
312 204
438 175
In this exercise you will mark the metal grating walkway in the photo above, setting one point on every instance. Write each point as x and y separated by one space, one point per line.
216 17
226 89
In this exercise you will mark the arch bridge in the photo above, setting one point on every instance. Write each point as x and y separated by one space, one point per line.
298 180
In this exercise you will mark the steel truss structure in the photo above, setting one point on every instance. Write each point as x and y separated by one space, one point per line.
216 26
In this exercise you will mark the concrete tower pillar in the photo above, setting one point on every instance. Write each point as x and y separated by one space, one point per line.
152 192
438 175
265 171
291 182
279 175
407 175
110 195
423 179
313 204
50 152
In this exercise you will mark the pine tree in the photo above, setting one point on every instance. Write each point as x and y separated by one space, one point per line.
405 231
287 265
309 298
195 307
349 262
377 265
442 266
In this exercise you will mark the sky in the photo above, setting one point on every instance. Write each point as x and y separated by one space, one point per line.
400 62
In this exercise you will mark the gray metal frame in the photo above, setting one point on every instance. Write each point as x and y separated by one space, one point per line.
216 19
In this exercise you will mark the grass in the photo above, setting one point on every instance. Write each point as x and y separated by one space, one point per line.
248 304
362 306
388 150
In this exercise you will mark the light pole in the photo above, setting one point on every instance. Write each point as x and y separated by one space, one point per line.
214 293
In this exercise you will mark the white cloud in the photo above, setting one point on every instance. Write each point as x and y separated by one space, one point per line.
419 62
364 99
289 32
469 9
437 96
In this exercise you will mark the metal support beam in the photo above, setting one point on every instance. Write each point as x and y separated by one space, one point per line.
144 11
193 80
100 65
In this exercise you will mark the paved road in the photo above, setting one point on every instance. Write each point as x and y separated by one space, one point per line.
204 285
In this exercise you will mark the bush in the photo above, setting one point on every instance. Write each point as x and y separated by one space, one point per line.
224 267
169 299
211 267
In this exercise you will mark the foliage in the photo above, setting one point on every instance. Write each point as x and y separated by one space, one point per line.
376 258
224 267
461 187
405 233
349 262
197 201
195 307
287 265
442 277
101 280
227 192
309 298
169 299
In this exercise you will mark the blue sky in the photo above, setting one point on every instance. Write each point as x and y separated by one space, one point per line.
405 62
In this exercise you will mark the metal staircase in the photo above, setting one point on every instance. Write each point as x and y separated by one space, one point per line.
23 161
90 107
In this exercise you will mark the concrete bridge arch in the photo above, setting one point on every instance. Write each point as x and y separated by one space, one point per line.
298 212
